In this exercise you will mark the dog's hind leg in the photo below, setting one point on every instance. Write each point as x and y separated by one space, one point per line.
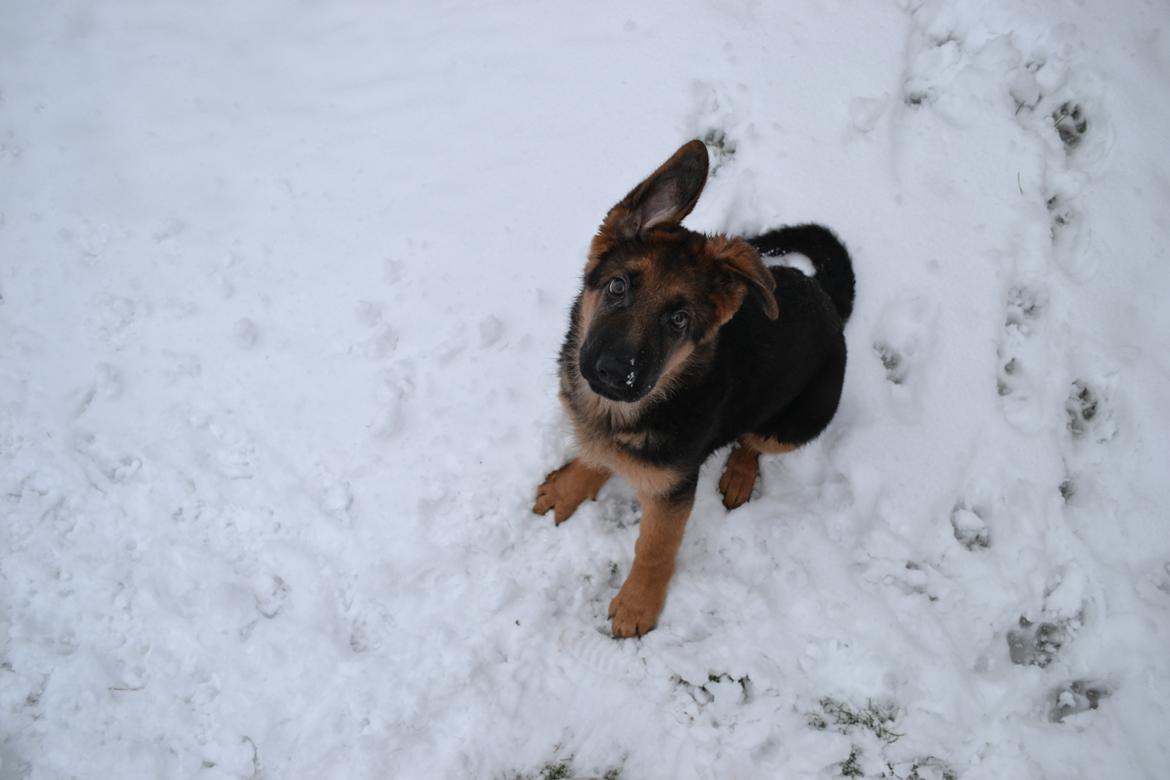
743 467
801 421
566 488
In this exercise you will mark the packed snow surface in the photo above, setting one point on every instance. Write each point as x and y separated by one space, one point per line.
281 290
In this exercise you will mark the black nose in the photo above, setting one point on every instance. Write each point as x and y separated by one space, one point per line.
616 370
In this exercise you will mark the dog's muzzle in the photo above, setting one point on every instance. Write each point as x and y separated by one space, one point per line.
614 374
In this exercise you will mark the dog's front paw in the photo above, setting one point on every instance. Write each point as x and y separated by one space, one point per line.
566 488
635 609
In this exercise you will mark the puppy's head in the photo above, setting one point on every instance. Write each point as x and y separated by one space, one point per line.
655 291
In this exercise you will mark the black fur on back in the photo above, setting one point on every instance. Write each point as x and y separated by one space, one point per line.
828 255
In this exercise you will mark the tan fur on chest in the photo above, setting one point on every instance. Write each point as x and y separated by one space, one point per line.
598 426
644 477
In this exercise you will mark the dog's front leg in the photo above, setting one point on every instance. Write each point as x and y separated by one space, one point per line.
636 607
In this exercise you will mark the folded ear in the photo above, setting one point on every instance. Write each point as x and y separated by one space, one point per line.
743 263
665 197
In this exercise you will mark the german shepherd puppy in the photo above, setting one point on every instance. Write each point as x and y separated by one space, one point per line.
681 343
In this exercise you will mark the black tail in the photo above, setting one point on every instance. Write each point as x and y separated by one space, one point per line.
828 255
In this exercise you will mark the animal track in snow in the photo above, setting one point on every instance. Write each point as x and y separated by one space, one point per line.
245 333
1037 644
230 451
1063 217
107 385
598 652
1071 124
271 593
970 529
393 392
721 693
116 467
491 329
382 339
865 112
936 55
181 365
1087 413
116 314
1074 698
1022 356
618 512
334 495
716 122
902 339
721 147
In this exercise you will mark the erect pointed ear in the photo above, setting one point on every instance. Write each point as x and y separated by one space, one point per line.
743 263
665 197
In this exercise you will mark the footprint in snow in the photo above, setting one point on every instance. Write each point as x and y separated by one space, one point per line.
181 366
1088 414
115 316
1038 642
723 693
721 147
902 340
1063 218
393 392
97 455
596 653
1071 124
1070 237
1075 697
935 52
1023 356
865 113
491 329
245 333
716 121
334 495
970 528
91 239
229 451
271 593
106 385
382 339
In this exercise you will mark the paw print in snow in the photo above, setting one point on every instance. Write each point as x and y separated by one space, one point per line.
1074 698
1023 356
1062 216
970 529
245 333
1036 644
902 340
271 593
721 147
232 454
1088 414
394 391
1071 124
716 122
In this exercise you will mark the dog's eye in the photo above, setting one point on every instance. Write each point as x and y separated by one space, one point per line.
679 320
617 287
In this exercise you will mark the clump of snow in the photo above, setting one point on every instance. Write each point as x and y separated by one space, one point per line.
280 301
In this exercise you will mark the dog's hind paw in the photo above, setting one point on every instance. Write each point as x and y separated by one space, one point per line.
739 477
567 488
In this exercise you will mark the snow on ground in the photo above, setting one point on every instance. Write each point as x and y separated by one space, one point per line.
282 286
